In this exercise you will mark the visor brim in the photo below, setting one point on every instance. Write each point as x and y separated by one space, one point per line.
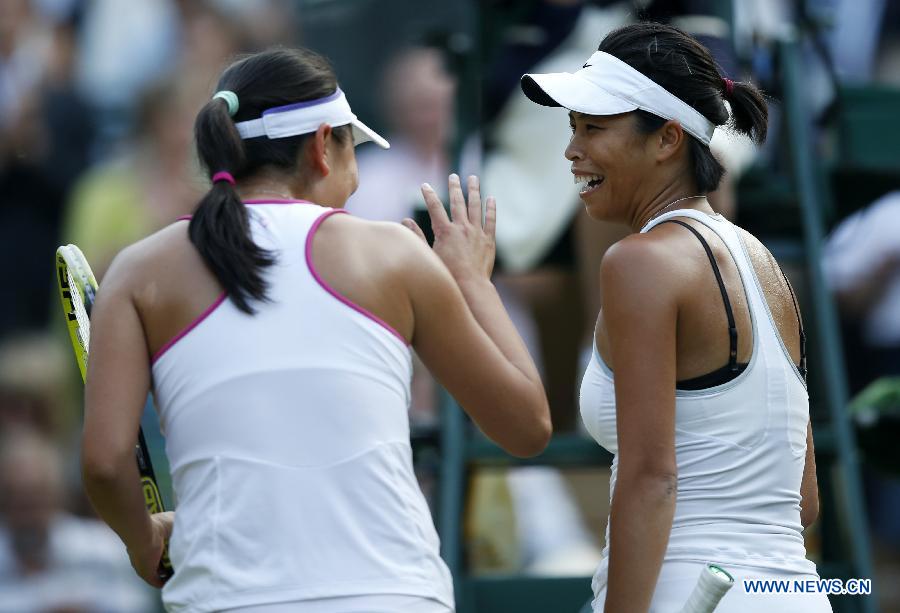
363 134
573 92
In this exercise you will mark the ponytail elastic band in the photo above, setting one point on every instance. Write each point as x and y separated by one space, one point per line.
729 86
230 99
223 175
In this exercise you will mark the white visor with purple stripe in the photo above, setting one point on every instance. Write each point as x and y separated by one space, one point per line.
306 117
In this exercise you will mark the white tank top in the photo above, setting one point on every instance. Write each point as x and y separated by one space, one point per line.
740 446
288 439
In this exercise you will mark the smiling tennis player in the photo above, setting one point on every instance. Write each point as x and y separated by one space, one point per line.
697 381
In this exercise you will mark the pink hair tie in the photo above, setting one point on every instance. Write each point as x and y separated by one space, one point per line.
729 86
223 175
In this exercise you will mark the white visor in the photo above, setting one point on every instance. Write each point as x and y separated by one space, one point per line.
306 117
608 86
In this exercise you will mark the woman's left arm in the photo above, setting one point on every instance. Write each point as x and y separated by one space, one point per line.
640 313
116 390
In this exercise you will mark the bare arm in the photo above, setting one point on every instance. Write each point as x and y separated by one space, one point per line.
809 488
463 333
640 314
117 384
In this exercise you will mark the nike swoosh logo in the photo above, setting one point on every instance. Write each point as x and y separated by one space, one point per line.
587 65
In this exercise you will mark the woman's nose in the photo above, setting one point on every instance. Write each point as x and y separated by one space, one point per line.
573 151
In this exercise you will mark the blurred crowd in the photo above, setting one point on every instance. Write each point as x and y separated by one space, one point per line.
97 100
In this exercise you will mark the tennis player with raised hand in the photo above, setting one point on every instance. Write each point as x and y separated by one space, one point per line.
697 380
275 334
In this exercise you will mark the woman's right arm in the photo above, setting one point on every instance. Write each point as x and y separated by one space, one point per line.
462 331
118 381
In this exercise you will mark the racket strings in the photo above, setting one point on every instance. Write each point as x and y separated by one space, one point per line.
81 314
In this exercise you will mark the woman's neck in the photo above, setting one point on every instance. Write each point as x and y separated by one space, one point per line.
260 189
678 195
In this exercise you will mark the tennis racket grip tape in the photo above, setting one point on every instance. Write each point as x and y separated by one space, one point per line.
152 498
153 502
714 582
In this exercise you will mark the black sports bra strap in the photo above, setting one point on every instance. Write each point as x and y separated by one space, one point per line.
802 367
732 327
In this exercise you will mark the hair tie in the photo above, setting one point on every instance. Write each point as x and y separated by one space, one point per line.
230 99
223 175
729 86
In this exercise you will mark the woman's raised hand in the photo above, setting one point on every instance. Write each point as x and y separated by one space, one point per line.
465 245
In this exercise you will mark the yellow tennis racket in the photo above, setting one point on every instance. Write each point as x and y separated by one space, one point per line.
77 290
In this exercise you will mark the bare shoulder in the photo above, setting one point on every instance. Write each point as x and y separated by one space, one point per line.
143 261
390 243
357 227
642 264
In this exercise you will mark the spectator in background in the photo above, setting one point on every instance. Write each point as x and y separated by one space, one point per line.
154 178
147 187
417 94
38 383
862 266
51 561
34 385
263 23
45 133
124 47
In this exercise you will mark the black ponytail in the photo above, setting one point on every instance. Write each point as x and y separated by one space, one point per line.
220 228
749 112
685 68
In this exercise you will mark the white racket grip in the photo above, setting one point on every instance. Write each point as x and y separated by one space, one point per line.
714 582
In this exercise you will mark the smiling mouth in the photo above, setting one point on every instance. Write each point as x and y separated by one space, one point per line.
588 183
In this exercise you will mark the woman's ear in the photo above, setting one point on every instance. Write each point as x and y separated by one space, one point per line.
668 140
317 151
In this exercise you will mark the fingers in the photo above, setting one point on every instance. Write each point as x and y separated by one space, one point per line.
154 580
474 201
457 201
435 207
166 522
490 217
414 227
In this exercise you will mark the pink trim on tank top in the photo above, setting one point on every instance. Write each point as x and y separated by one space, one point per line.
184 332
277 201
331 290
184 218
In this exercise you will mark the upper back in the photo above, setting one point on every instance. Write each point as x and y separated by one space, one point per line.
307 340
172 286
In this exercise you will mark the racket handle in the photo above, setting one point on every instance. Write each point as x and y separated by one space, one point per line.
165 570
714 582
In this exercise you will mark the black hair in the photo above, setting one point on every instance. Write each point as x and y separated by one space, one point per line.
219 228
685 68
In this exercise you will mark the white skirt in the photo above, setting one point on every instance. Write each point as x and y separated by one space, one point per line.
677 580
